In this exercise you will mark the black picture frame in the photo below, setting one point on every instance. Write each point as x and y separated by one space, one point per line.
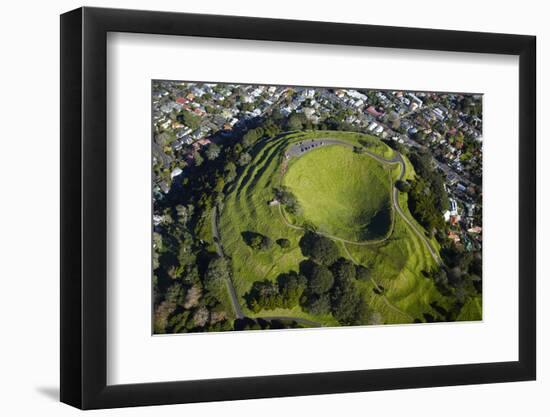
84 207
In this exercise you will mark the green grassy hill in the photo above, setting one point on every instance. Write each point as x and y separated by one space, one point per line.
342 193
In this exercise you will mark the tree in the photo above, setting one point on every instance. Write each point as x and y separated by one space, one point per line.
295 122
189 119
318 304
212 151
186 255
267 243
424 206
165 138
402 186
200 317
216 275
197 157
230 172
162 312
175 294
252 136
184 213
287 199
320 279
362 314
264 295
220 183
192 297
283 243
321 249
178 322
244 159
345 301
291 288
257 241
343 270
362 273
157 246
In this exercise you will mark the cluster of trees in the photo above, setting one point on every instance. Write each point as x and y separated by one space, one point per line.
403 186
469 106
189 284
189 119
332 289
325 284
287 199
462 272
460 278
298 121
284 293
427 196
257 241
460 275
267 129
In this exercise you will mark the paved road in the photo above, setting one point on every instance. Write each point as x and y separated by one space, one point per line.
298 320
301 148
219 249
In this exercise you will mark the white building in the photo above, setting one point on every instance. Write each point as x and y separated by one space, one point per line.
454 207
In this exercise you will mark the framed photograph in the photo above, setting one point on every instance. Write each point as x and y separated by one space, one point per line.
256 208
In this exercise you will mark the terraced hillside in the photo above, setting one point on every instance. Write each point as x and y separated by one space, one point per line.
353 189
